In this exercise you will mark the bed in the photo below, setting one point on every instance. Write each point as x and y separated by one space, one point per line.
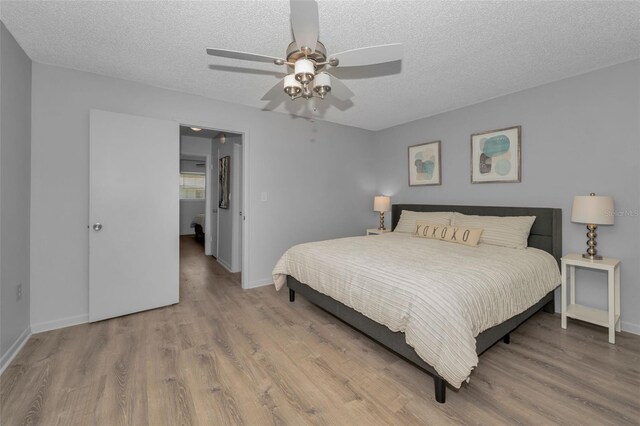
424 314
197 223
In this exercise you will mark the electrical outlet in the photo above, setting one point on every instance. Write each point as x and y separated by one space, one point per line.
19 291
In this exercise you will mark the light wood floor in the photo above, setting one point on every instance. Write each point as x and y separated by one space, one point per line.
228 356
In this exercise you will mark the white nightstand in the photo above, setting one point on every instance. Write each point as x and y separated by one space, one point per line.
609 318
376 231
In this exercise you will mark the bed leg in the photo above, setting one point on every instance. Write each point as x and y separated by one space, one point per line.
441 389
292 295
507 338
550 306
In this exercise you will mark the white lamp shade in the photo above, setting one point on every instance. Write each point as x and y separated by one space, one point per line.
592 209
304 66
322 79
381 203
291 82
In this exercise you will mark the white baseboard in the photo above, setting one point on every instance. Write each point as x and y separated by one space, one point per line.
14 349
59 323
630 327
261 283
225 265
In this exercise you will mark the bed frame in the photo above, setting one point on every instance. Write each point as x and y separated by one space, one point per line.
546 234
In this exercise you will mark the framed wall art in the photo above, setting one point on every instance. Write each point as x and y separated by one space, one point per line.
424 164
496 156
223 179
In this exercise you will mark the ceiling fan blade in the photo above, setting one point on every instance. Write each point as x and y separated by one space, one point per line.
305 23
234 54
340 90
243 70
275 92
369 55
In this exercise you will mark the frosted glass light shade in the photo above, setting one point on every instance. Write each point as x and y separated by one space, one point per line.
322 84
292 86
592 209
291 82
381 203
304 70
322 79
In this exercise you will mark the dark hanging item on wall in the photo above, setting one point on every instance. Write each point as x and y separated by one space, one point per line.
224 176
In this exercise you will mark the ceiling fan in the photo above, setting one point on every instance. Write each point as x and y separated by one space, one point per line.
307 60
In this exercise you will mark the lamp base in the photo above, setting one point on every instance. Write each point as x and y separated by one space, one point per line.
592 251
590 257
381 228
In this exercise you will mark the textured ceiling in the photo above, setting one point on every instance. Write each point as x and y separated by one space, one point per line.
456 53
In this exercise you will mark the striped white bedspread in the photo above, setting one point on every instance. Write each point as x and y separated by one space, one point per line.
440 294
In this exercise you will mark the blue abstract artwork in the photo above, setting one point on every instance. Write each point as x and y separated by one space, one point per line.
424 164
495 156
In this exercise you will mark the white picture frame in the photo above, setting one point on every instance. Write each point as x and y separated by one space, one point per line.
496 156
424 164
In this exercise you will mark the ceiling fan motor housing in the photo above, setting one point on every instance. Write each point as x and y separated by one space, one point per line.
318 56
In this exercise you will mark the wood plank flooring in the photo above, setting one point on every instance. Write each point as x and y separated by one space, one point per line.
228 356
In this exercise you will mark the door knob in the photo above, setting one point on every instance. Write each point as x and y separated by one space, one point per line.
97 226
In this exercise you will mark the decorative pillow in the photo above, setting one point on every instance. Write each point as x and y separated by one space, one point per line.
453 234
508 231
408 218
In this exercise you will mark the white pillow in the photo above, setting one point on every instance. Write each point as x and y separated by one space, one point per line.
508 231
408 218
449 233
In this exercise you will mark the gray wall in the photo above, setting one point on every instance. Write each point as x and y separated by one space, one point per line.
15 135
579 135
318 176
194 145
189 166
228 218
189 209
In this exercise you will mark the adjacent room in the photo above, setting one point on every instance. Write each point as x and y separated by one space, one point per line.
319 212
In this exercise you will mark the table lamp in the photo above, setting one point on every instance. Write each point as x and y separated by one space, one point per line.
593 211
381 204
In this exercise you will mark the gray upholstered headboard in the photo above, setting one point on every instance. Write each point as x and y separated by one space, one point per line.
546 232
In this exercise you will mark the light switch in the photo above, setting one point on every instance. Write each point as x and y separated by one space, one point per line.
263 196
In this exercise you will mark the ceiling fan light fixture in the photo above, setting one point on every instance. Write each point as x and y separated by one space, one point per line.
292 87
307 59
305 70
322 84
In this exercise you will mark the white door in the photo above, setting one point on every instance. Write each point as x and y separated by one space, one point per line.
134 214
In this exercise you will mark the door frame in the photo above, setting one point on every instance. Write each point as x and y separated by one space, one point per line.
208 202
246 207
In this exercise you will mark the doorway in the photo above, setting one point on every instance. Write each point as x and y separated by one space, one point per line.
197 218
215 218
